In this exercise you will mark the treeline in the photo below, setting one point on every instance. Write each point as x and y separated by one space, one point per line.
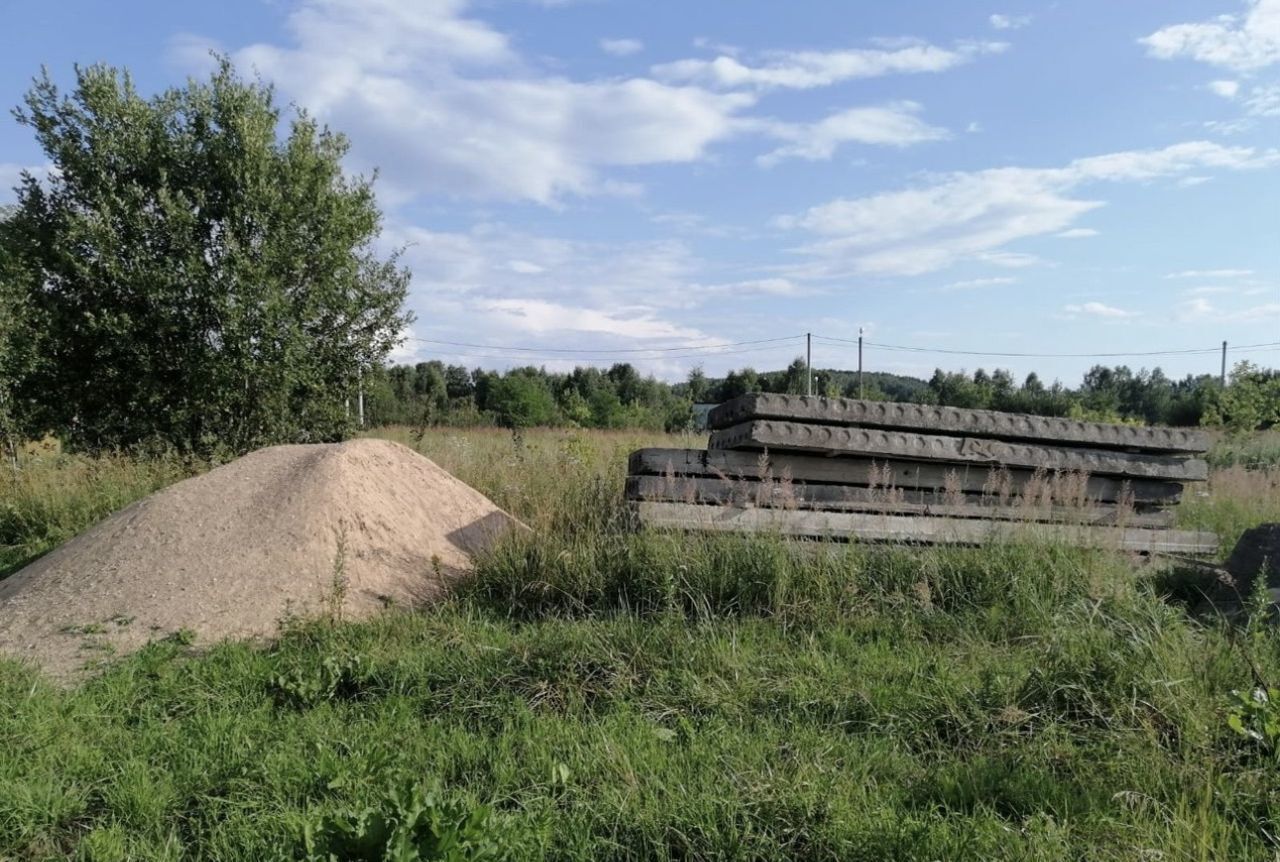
433 393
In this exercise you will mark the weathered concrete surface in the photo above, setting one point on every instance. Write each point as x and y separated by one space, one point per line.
895 501
914 529
954 420
1257 554
893 473
834 439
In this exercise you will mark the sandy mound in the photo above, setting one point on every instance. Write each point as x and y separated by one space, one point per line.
235 551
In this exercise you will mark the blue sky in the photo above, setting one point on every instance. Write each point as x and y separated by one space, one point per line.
598 175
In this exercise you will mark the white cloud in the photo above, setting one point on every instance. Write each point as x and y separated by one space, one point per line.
621 47
11 177
1009 259
977 283
808 69
541 317
1264 101
1242 43
1098 309
1225 89
461 265
1260 100
1077 233
506 286
524 267
1194 309
1211 273
443 104
1200 310
895 124
1009 22
193 53
972 215
758 286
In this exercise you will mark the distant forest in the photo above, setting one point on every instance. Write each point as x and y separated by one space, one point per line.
432 393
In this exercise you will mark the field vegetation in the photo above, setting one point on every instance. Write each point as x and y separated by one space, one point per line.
433 393
589 692
595 693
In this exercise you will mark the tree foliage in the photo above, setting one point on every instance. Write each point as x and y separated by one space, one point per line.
199 279
16 324
619 397
1251 401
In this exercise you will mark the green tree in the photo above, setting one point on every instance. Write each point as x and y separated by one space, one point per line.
795 378
521 400
199 280
16 322
1251 400
698 386
738 383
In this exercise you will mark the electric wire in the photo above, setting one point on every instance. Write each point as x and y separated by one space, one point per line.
604 351
1196 351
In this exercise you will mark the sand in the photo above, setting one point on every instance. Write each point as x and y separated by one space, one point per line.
238 550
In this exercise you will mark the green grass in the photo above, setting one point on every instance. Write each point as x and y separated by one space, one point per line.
53 496
1261 449
596 694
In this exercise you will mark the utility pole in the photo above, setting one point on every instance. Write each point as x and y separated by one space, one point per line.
360 396
860 392
808 362
1223 377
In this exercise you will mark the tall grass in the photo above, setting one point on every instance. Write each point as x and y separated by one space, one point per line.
49 496
596 693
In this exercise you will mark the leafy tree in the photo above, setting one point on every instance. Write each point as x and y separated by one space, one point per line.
1249 402
521 400
199 280
738 383
16 322
627 382
458 383
795 378
698 387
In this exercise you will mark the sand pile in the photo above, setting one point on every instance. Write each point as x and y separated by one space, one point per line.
235 551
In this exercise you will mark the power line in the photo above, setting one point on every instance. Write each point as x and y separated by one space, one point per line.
910 349
576 350
531 356
764 345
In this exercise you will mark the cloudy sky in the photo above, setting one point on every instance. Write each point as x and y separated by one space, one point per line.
579 176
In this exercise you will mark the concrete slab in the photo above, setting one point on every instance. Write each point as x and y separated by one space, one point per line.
897 501
955 420
837 440
891 473
908 529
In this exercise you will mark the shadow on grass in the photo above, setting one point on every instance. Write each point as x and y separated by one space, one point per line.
13 560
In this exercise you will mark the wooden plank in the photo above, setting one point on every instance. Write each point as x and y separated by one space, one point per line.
895 501
834 440
914 529
894 473
933 419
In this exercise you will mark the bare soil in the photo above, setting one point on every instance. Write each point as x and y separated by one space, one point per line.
285 532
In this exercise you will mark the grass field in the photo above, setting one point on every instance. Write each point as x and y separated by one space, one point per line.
597 694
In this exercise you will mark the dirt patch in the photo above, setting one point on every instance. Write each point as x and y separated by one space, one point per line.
286 531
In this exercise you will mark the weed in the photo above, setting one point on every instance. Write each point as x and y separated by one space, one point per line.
1255 715
334 678
410 823
335 596
596 693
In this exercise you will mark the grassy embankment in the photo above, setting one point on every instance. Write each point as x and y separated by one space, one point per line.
595 694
